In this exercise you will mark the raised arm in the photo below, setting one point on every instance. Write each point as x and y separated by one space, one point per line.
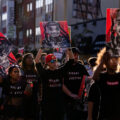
97 72
38 56
69 53
100 67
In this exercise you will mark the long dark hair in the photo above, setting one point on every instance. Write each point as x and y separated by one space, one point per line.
24 65
10 69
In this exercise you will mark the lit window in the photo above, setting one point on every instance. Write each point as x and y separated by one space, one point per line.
39 3
4 16
30 6
51 8
47 2
30 31
37 31
46 8
27 33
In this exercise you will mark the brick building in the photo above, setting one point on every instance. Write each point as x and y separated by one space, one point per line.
20 19
25 22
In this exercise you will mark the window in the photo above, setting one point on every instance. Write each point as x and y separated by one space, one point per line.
39 3
90 1
20 11
48 5
37 31
29 32
29 7
4 16
47 2
20 36
46 8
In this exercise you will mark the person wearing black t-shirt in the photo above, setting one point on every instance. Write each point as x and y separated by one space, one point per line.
104 95
32 79
13 91
52 83
94 100
72 83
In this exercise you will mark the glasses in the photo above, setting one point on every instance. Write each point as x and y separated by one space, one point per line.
53 61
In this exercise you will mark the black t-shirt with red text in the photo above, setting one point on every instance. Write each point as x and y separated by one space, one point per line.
109 86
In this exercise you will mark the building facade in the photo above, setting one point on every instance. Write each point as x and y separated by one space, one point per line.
20 19
8 27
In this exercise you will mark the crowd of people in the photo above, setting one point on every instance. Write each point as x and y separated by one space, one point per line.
37 88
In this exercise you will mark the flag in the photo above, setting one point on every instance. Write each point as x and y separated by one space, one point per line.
12 58
5 49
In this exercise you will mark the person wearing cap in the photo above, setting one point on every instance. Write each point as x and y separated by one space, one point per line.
52 83
104 94
73 82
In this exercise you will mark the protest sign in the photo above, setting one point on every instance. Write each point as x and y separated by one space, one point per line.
6 56
113 31
54 34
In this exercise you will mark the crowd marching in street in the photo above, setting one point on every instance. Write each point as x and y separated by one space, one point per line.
37 88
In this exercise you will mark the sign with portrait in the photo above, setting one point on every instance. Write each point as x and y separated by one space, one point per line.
54 34
5 49
113 31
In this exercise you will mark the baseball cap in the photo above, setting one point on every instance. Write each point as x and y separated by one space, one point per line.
50 57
